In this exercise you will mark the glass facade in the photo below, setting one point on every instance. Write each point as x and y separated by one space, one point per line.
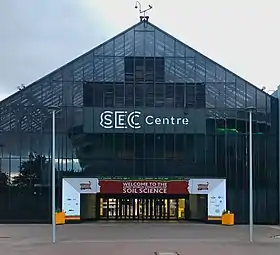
141 68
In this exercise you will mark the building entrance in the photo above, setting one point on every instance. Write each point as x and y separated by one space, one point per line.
143 199
143 208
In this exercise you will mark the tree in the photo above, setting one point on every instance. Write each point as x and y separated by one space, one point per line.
32 171
4 180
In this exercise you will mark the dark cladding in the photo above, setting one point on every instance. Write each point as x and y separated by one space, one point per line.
144 120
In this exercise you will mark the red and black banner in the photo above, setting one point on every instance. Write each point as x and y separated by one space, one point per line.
176 187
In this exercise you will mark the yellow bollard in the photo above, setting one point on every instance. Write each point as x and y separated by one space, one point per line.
228 219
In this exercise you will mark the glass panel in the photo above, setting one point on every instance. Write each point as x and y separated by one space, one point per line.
149 95
215 96
98 51
119 95
169 95
169 46
129 95
67 93
220 74
173 209
230 77
200 71
119 45
159 43
159 95
109 48
139 43
56 76
88 67
240 93
129 43
98 73
139 96
180 49
210 70
181 208
119 69
150 44
108 68
108 96
179 96
190 52
230 95
190 70
67 73
268 104
251 95
261 100
180 72
170 70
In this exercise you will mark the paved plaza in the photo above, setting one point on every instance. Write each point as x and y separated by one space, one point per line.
138 238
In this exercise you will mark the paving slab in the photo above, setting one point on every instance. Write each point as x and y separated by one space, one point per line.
138 238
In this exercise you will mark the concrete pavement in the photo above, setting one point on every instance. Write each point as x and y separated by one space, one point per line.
138 238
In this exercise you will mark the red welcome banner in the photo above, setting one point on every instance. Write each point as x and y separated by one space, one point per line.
176 187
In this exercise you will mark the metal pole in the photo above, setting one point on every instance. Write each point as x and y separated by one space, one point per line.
251 175
53 179
278 95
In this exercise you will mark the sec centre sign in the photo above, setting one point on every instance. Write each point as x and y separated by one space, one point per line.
144 120
125 119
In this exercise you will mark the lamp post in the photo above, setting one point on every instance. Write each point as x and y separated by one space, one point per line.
53 109
251 211
278 96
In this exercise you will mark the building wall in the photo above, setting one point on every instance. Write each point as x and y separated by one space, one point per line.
146 69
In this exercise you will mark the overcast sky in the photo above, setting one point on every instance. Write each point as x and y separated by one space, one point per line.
38 36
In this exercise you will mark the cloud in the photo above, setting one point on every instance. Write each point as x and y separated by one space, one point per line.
39 36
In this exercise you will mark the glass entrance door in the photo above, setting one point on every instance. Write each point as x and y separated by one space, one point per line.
173 209
160 209
141 208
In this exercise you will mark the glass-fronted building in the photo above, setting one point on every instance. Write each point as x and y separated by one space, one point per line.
142 104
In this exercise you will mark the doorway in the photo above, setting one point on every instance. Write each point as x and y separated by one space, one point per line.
133 207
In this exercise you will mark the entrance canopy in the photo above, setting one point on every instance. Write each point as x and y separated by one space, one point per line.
215 189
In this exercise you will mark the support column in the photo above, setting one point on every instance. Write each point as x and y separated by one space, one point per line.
278 96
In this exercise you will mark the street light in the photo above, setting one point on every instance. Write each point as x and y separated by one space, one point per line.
53 109
251 212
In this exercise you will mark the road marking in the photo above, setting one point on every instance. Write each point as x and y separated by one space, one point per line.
167 253
151 240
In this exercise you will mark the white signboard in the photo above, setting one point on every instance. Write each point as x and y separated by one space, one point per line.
215 189
148 120
70 201
71 190
217 200
125 119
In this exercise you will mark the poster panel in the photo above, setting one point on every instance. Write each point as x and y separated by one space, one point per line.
215 189
217 200
70 201
71 190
